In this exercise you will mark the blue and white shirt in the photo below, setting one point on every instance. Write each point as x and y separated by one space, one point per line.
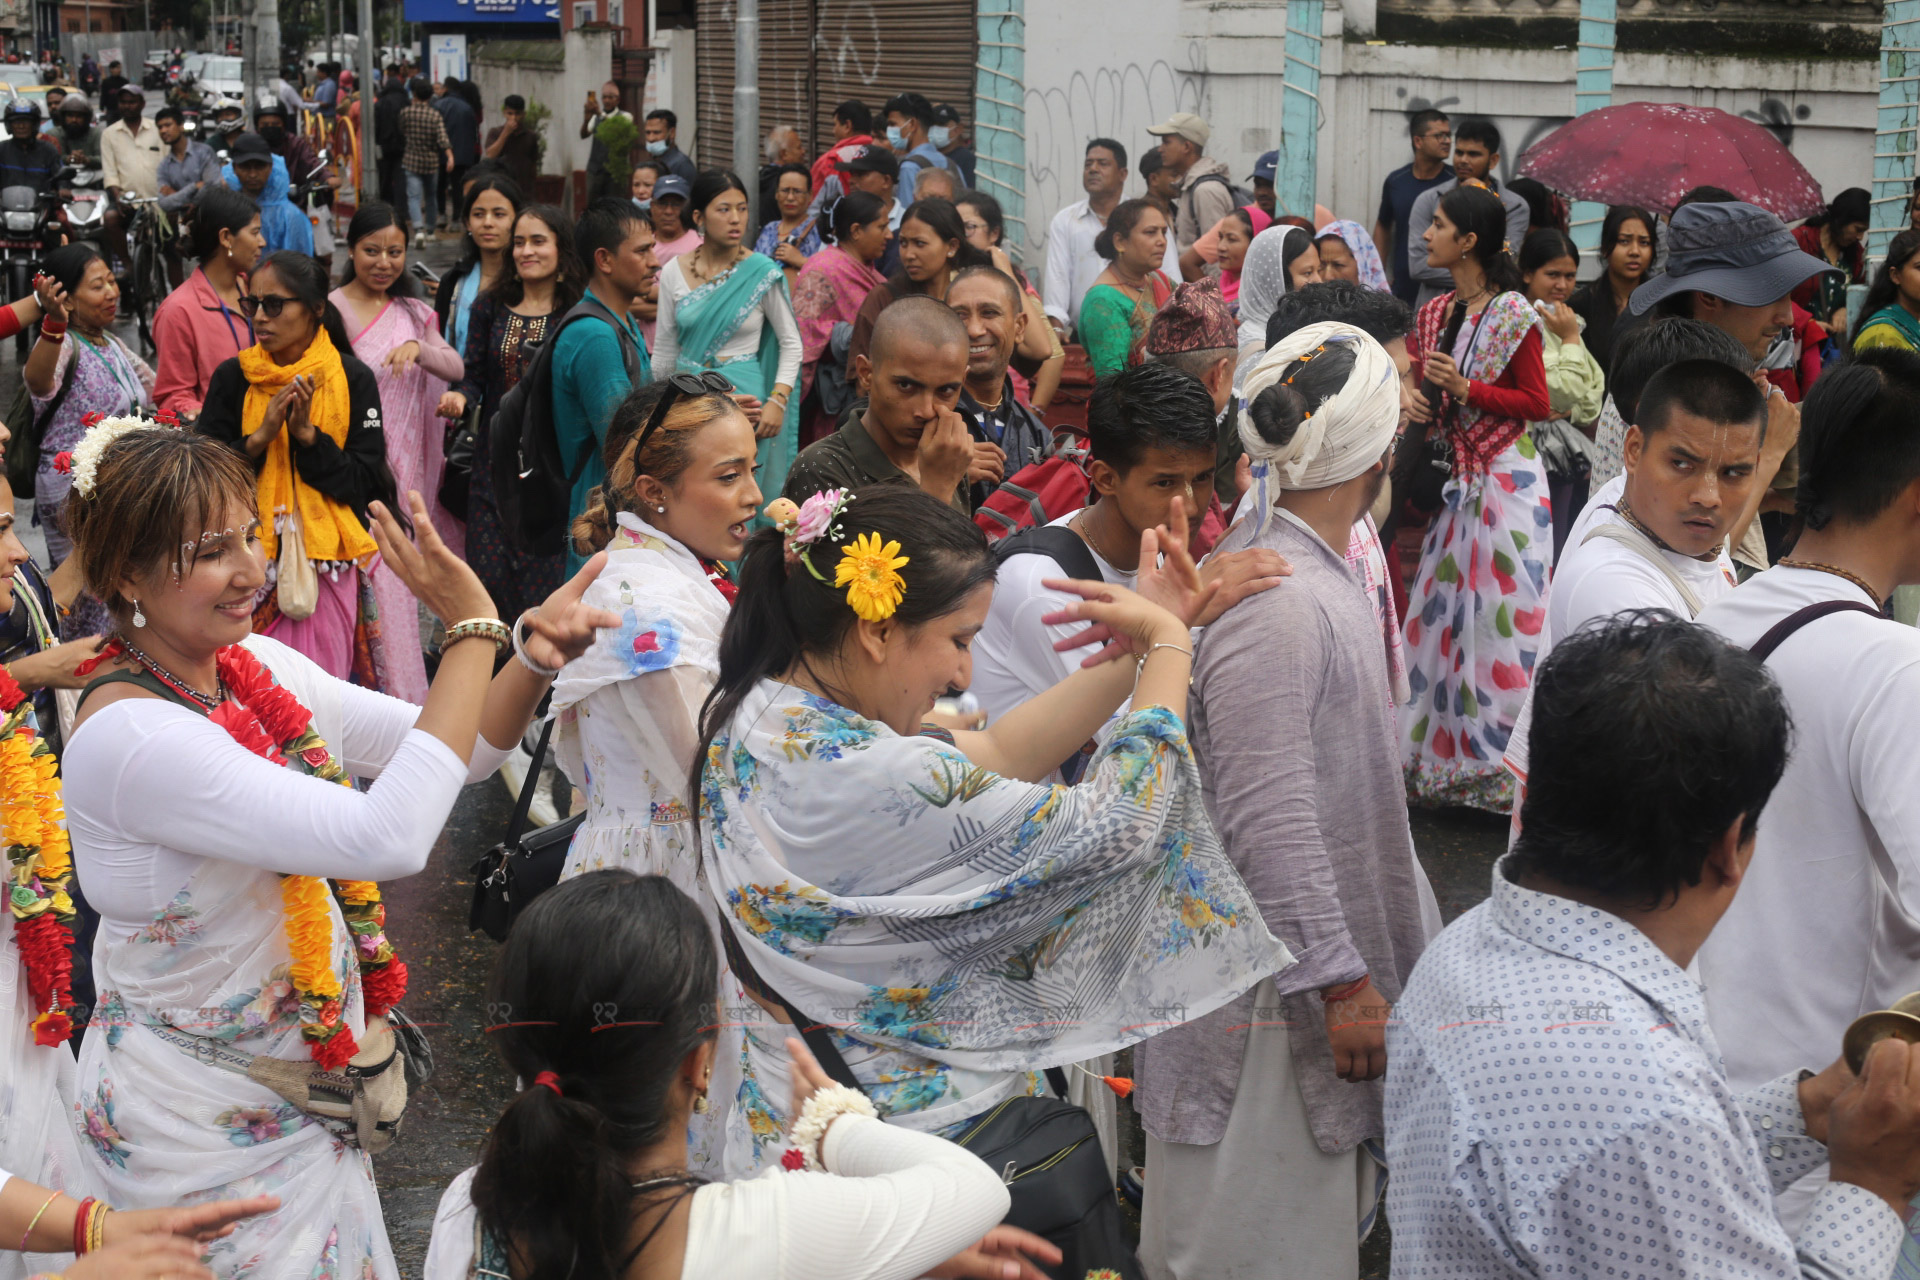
1556 1105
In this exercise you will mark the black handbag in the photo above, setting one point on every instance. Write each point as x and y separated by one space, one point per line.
456 479
1423 463
1047 1152
523 866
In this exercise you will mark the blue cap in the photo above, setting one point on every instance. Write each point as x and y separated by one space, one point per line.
672 184
1264 167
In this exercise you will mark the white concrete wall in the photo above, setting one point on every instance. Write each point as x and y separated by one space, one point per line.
563 88
1137 61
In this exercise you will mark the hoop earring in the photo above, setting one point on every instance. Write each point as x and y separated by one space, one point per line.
139 618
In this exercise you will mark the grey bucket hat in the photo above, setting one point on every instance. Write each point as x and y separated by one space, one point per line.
1735 251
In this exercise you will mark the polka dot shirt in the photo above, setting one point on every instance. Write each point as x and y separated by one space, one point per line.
1556 1106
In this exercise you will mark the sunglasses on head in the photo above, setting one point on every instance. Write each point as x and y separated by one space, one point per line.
271 304
678 385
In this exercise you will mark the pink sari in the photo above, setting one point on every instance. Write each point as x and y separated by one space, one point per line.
829 289
416 451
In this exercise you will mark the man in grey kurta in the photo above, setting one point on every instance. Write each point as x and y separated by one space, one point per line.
1256 1165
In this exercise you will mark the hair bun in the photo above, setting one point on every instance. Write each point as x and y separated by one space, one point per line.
1277 414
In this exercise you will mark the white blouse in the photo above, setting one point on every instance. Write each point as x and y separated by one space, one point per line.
152 788
894 1204
775 308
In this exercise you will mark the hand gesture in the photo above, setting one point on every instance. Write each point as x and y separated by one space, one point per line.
452 405
1560 318
1443 373
1783 420
53 298
808 1079
789 255
403 357
1357 1033
1237 575
1125 622
989 462
772 414
200 1222
152 1257
276 416
563 627
945 454
1004 1253
437 578
299 407
1175 585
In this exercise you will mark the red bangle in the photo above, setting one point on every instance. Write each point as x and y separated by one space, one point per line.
80 1225
1348 991
54 331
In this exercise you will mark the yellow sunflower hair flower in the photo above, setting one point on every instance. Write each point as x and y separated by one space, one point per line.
869 572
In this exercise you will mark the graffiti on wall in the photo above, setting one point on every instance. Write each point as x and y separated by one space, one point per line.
1117 102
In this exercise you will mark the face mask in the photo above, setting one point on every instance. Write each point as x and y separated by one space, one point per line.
643 205
939 136
657 148
895 138
274 136
76 130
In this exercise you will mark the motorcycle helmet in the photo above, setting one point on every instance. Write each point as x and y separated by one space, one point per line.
76 104
20 109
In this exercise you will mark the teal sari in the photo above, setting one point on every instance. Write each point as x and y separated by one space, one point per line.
707 318
1899 329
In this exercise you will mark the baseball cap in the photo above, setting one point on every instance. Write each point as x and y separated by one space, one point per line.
1187 125
875 159
1265 167
249 146
672 184
945 113
1736 251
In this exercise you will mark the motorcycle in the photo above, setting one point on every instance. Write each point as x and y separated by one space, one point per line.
31 231
85 215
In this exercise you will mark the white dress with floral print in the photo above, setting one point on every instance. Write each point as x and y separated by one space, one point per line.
959 929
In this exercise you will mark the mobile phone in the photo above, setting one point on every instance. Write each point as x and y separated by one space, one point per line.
425 272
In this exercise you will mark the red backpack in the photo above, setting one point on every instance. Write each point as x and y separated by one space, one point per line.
1041 493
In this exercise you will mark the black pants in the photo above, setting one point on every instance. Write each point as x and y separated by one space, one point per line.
393 183
452 182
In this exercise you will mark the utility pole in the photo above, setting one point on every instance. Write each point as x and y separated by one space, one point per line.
369 181
746 101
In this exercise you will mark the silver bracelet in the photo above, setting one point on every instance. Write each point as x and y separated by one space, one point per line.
1141 662
520 650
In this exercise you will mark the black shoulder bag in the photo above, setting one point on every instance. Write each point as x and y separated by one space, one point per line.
523 866
1424 461
1045 1149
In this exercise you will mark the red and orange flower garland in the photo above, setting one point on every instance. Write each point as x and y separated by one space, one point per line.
39 865
266 719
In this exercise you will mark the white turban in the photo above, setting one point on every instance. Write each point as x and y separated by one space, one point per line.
1344 435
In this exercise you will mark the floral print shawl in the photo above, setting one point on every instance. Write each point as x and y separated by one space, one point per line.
961 929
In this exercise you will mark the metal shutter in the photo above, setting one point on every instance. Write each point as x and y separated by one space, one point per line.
873 49
786 76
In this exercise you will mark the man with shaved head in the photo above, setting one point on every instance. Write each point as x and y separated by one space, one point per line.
905 430
601 107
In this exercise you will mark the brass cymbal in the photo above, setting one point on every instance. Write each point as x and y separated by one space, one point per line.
1902 1022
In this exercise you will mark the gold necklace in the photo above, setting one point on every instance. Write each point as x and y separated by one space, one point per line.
1834 569
1081 526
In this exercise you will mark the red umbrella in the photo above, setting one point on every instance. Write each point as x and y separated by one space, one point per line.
1652 153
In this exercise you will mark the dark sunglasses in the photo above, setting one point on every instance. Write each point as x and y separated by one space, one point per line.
271 304
680 384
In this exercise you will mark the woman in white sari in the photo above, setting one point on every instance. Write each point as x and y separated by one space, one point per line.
680 490
242 937
959 928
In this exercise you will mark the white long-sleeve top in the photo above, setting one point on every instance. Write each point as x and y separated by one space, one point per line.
895 1204
152 788
776 309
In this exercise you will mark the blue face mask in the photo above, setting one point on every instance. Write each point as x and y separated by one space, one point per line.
657 147
939 136
895 138
643 205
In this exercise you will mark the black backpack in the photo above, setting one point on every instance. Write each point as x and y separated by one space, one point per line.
1066 547
532 483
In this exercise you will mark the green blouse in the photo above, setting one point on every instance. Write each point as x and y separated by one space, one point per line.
1111 322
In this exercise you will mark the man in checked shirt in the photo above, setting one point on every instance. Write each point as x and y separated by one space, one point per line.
1556 1103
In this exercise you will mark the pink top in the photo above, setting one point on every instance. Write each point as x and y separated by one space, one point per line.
194 333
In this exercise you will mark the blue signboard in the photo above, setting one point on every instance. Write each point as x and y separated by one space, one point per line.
459 11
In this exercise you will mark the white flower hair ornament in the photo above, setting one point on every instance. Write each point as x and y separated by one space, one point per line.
83 460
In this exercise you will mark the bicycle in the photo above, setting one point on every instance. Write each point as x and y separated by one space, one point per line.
149 234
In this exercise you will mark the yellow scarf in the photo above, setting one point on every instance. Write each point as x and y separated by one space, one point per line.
332 530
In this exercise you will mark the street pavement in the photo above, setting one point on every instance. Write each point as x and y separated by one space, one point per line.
448 1119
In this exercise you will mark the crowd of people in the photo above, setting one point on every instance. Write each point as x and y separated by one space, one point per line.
936 735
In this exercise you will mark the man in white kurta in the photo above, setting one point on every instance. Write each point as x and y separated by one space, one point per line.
1828 924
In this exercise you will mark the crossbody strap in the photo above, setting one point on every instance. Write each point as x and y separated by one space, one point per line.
1778 633
1634 540
524 803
